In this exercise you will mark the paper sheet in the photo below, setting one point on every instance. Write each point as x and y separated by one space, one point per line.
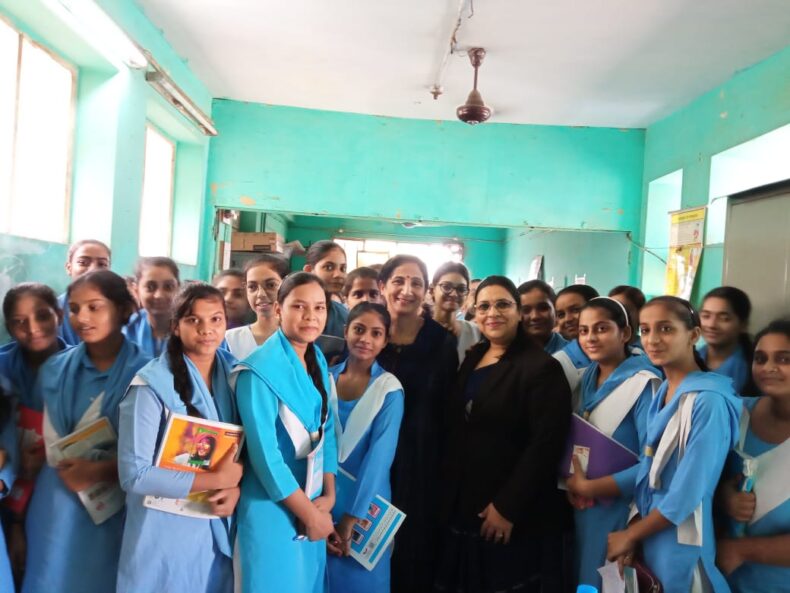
612 581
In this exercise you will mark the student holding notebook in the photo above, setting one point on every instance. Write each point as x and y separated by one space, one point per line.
692 424
164 551
616 391
157 284
83 256
288 491
66 550
368 409
757 559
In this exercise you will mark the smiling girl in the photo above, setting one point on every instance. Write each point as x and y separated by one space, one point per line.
283 391
190 378
369 409
80 385
327 260
262 278
157 285
449 289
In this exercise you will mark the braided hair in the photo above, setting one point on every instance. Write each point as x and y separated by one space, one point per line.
182 307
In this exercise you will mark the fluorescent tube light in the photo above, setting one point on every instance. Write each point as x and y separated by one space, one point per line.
101 31
165 86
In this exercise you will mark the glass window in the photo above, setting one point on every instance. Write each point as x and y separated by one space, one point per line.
156 212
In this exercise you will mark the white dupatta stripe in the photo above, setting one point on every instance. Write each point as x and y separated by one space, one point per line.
609 414
573 376
676 436
361 417
771 476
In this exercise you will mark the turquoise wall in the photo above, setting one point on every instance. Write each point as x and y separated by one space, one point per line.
753 102
483 247
113 107
607 258
319 162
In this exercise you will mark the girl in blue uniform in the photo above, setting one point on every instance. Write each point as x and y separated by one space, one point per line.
724 318
570 301
32 316
157 284
9 459
163 551
617 389
327 260
66 550
83 256
757 560
692 424
369 409
288 490
538 316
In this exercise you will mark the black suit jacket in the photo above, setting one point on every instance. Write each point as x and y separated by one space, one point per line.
508 450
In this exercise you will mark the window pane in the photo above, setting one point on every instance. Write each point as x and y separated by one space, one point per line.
156 209
9 54
43 144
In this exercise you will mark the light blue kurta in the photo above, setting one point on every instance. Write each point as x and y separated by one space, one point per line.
21 376
555 344
66 551
271 561
762 578
594 524
369 463
10 444
139 331
736 367
162 551
689 483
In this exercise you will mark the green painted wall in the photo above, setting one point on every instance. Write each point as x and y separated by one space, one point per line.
483 246
607 258
318 162
751 103
113 106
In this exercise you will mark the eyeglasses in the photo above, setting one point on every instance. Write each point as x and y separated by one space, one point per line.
501 306
447 288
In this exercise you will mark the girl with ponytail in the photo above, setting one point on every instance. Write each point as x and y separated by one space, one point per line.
692 423
190 377
285 391
724 319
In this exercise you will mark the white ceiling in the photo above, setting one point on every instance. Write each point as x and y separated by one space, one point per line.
619 63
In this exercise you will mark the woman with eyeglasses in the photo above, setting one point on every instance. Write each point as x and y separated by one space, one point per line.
449 289
504 433
423 357
262 278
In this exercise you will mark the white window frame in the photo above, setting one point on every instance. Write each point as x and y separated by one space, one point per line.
153 128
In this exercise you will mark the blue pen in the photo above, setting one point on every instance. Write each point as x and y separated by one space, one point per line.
747 485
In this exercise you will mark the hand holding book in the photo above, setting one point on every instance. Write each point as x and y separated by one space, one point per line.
225 474
79 474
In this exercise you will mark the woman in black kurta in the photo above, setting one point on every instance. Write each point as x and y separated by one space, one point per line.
505 429
423 356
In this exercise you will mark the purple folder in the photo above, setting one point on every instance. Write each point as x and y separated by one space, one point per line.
607 456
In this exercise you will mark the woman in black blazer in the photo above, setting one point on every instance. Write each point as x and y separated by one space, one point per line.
506 426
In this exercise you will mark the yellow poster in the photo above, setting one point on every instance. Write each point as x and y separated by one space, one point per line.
686 228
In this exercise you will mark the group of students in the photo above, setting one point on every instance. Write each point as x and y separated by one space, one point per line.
450 396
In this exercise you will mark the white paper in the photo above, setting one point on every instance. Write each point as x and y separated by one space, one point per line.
583 453
612 581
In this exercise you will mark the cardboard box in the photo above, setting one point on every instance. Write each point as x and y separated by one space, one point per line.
263 242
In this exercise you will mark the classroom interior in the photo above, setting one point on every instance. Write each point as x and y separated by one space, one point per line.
606 118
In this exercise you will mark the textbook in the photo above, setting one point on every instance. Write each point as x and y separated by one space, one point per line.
29 429
94 442
191 444
373 533
599 454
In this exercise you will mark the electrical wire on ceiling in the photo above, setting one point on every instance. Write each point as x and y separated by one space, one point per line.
464 6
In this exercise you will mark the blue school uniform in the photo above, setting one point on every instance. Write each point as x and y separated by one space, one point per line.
21 376
65 331
368 459
593 524
333 342
574 362
139 331
10 444
680 482
751 577
66 551
555 344
162 551
273 385
736 367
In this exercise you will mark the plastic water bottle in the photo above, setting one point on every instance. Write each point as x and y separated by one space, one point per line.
586 589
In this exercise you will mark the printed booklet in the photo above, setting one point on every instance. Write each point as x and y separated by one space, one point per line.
192 444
